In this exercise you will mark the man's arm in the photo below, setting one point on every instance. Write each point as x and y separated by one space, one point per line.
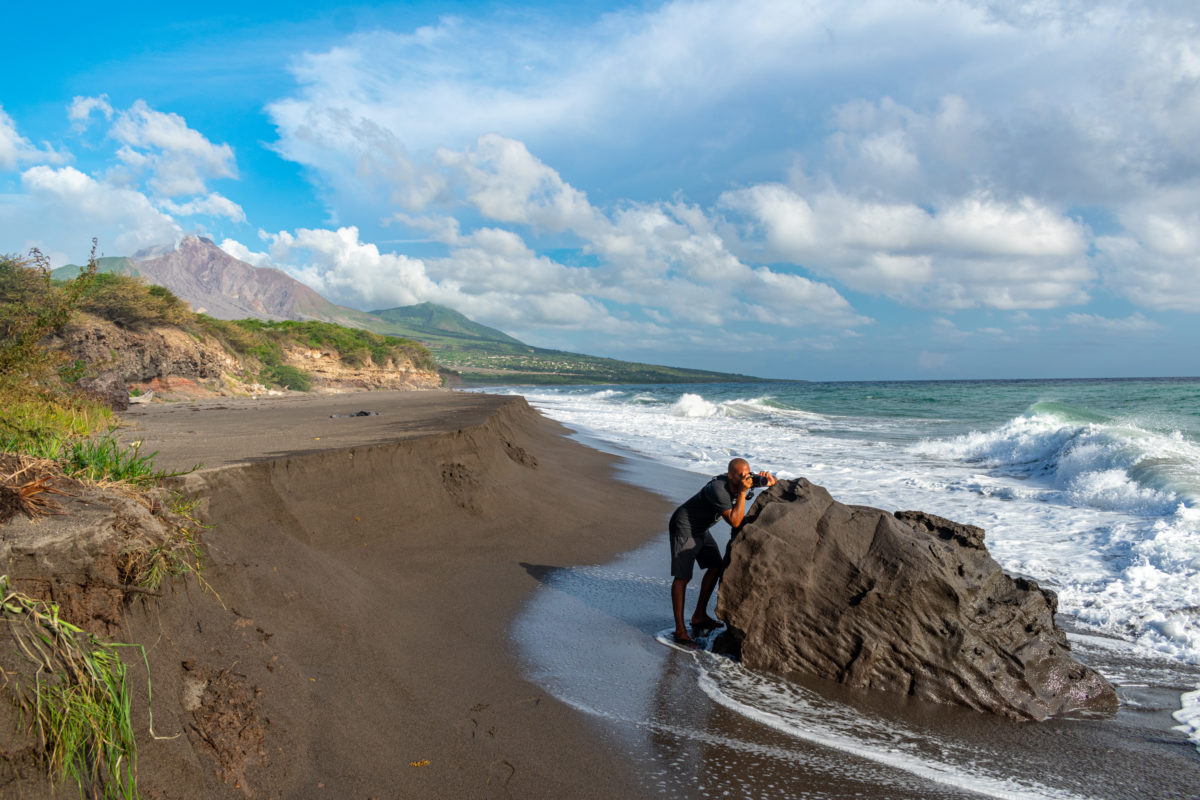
735 515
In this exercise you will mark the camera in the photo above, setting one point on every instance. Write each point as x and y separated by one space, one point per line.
759 481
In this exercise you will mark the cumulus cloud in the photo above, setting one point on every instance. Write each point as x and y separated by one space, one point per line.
66 198
15 149
983 176
243 253
12 145
346 270
180 159
490 275
81 109
662 255
972 251
1155 260
507 183
212 204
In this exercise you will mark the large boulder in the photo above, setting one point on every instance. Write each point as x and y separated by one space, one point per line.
107 387
907 602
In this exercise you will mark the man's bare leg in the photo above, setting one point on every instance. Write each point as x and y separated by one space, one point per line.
678 594
707 584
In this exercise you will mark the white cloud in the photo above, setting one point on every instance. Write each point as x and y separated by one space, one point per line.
973 251
81 108
1134 323
15 149
179 158
349 271
955 194
793 300
13 146
1155 261
491 276
244 253
66 199
668 255
496 260
507 183
212 204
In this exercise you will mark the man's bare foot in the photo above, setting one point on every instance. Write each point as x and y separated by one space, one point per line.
704 623
685 641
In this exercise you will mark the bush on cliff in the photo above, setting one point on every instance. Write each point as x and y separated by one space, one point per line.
37 403
33 306
266 341
132 303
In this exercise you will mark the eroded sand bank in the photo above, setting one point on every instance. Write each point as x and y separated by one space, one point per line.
369 568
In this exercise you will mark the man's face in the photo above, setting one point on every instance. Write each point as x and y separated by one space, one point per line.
737 473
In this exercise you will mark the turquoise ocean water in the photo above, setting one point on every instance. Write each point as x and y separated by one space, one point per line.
1091 487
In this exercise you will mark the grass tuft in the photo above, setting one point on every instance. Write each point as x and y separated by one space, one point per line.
180 554
79 705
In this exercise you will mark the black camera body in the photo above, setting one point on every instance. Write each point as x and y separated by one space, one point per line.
759 481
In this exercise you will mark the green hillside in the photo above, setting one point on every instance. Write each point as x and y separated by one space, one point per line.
120 265
486 356
442 322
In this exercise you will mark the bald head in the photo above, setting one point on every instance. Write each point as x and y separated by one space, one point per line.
738 464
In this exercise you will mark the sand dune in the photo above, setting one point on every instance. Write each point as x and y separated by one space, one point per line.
367 570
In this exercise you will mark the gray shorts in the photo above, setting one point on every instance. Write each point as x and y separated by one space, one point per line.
687 551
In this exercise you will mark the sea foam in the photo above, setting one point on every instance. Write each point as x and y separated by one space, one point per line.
1100 508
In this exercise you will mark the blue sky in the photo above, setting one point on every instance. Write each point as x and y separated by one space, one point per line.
823 190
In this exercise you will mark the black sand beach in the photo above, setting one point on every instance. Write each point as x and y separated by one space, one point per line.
369 569
452 598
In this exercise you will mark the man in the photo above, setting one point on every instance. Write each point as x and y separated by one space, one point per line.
722 497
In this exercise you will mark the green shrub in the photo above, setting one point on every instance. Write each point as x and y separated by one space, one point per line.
130 303
37 407
286 377
265 341
33 306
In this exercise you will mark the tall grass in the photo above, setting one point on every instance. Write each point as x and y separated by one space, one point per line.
97 458
79 705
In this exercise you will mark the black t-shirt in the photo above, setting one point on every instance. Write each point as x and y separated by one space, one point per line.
704 507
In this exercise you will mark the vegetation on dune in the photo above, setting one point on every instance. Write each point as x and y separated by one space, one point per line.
132 303
37 403
72 691
267 340
79 705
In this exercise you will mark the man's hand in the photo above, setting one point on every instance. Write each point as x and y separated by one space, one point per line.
771 479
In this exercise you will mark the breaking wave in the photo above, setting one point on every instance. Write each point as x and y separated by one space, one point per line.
1091 460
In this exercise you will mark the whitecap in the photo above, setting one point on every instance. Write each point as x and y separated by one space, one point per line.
693 405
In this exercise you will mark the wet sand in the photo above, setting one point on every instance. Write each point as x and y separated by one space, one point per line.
369 569
695 725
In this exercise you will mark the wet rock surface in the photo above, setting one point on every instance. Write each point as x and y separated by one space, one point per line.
908 602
